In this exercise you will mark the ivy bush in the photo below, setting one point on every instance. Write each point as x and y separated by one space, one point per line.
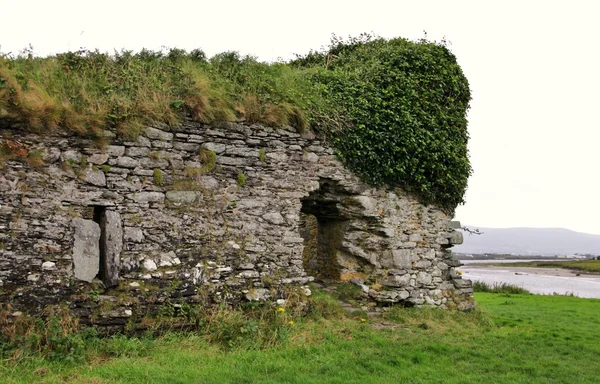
405 106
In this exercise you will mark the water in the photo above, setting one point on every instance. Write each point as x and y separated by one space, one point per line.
502 261
537 280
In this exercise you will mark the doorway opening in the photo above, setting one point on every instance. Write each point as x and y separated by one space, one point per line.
323 229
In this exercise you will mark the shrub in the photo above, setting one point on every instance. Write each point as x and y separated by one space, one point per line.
480 286
241 180
406 105
55 336
209 160
35 158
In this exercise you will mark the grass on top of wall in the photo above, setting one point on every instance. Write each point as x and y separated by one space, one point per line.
394 109
87 91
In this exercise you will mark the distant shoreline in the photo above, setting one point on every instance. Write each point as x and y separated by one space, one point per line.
544 271
575 267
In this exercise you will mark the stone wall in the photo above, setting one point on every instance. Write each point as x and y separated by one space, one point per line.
206 214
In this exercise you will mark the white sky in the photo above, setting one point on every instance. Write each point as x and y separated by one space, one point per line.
533 66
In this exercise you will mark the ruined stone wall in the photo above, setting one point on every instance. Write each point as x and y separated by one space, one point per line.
119 232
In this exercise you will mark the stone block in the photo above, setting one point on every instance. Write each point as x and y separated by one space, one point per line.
396 281
188 147
274 218
235 161
48 266
157 134
310 157
456 237
115 150
424 278
367 203
72 156
137 151
182 197
86 249
429 254
147 197
149 265
455 224
402 258
133 234
462 283
143 142
257 294
162 144
94 177
416 237
277 156
148 163
127 162
98 158
51 155
215 147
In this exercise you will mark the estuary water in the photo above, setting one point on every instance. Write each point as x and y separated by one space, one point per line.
546 281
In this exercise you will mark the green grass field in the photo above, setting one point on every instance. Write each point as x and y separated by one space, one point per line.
518 338
589 266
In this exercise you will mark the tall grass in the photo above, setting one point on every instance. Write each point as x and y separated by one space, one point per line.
516 339
88 91
480 286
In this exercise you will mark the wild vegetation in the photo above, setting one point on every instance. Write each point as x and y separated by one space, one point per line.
509 338
588 266
481 286
395 110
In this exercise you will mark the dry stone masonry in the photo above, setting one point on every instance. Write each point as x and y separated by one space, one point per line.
208 214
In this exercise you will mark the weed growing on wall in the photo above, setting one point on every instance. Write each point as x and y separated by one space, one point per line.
158 177
209 160
241 180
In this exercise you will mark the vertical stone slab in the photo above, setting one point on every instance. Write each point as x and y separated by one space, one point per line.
111 245
86 250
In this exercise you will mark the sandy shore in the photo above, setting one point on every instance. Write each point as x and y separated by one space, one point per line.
531 270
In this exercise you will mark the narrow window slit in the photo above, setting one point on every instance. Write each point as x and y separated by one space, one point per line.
100 218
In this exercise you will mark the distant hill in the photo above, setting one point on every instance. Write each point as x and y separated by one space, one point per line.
529 241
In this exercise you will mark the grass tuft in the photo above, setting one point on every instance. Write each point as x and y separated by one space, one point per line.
158 177
209 160
241 180
480 286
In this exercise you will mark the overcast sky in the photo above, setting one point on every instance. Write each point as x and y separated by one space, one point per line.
533 67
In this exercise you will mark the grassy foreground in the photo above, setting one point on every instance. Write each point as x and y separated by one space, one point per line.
589 266
509 339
